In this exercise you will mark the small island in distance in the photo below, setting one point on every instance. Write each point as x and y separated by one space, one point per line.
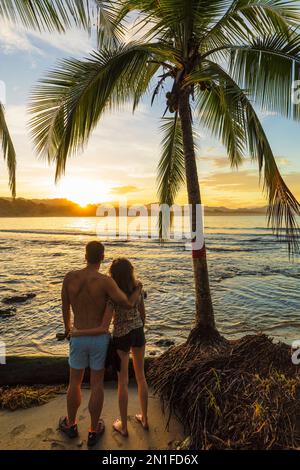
21 207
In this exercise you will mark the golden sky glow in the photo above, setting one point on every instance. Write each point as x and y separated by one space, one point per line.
121 158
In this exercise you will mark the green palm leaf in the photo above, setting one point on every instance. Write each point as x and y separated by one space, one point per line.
110 30
270 83
171 168
47 14
8 151
244 20
220 111
225 101
59 15
69 102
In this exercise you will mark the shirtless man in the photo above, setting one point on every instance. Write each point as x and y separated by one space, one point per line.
85 292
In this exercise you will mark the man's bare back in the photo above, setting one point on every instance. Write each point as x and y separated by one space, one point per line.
87 291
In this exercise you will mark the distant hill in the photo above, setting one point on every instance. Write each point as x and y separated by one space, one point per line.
21 207
43 208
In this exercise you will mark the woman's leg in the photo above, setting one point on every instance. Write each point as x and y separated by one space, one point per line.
138 355
121 426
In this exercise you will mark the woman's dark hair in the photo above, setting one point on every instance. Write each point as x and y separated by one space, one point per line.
122 271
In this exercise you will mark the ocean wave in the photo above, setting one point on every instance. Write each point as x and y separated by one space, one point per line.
235 249
48 232
264 272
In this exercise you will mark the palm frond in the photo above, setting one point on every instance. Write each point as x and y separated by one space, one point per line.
59 15
244 20
220 111
283 206
171 168
183 19
110 28
69 102
268 67
8 151
50 15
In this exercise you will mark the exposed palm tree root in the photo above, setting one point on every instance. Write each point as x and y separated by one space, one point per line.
246 396
207 337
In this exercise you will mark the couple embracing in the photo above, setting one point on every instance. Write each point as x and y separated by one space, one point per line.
95 300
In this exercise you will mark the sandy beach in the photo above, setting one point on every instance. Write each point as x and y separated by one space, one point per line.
36 428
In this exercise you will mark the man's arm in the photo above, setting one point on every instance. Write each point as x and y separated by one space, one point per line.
100 330
119 297
66 306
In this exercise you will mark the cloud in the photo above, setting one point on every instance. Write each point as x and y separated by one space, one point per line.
13 39
16 116
73 42
292 180
237 188
124 190
16 38
283 161
228 181
220 162
264 114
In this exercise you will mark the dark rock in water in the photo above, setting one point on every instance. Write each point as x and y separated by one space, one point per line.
165 343
7 312
17 299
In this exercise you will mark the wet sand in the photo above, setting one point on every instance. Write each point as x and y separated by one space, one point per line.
36 428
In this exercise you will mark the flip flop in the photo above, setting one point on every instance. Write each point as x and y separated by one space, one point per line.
139 420
115 428
94 436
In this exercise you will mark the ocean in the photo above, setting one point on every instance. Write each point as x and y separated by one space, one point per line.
254 284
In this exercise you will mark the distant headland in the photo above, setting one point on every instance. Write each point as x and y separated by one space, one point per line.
21 207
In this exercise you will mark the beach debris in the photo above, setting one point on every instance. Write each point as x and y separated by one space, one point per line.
165 343
244 397
17 299
7 312
13 398
185 444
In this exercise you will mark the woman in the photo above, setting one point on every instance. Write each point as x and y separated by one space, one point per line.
128 335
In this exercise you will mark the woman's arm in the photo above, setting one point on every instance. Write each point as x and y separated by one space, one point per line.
119 297
142 309
100 330
88 332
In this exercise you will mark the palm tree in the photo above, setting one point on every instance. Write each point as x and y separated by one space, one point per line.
50 15
216 58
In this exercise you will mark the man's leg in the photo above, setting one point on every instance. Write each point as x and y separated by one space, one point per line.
96 398
74 394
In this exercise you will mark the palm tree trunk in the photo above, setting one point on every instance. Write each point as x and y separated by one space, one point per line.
204 308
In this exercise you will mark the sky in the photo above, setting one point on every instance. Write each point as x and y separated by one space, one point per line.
120 161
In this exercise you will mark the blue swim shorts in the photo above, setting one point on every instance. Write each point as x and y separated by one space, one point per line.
88 351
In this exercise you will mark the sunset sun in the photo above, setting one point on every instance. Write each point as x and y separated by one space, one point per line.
83 192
